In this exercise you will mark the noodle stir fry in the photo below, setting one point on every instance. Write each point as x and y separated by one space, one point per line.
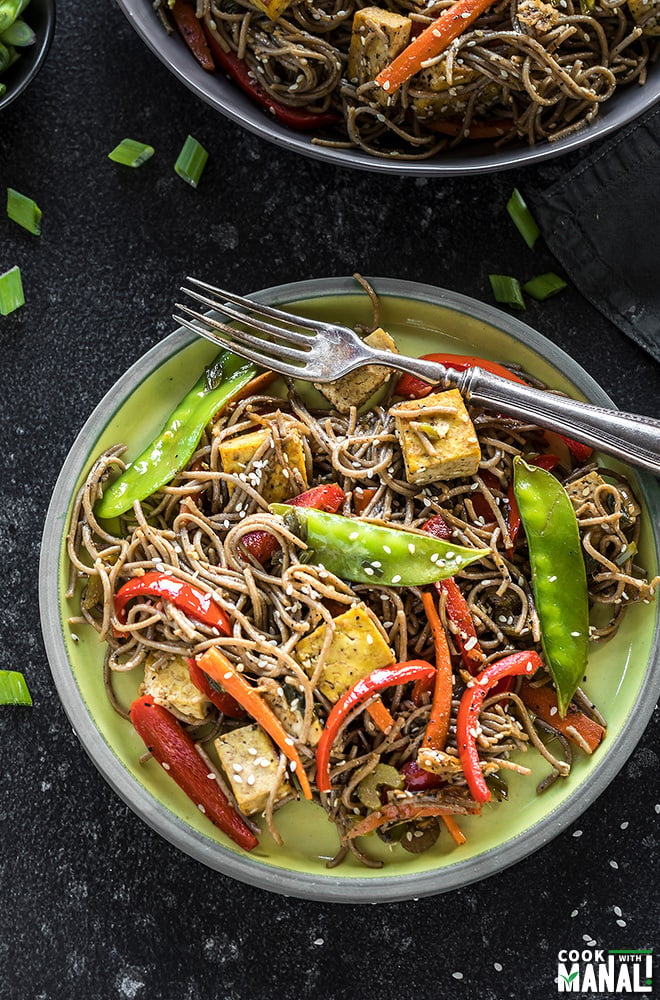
286 649
525 70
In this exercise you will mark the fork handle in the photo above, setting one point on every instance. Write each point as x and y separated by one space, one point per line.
633 438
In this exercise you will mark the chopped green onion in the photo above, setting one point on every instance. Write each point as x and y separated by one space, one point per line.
626 553
11 291
507 290
544 285
13 689
19 33
131 153
3 89
191 161
24 211
522 218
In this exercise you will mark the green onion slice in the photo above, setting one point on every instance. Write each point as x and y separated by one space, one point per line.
523 218
11 291
19 33
13 688
24 211
507 290
626 553
131 153
544 285
191 161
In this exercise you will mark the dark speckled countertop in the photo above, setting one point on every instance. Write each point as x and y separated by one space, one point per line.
93 903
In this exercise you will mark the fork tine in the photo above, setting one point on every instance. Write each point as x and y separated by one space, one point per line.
242 337
288 336
274 364
256 307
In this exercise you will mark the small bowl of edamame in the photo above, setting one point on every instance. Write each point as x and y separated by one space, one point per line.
26 31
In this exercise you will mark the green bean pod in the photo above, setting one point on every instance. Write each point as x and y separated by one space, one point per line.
363 552
559 578
172 449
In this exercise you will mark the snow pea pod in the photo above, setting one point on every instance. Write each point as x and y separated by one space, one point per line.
363 552
559 578
173 447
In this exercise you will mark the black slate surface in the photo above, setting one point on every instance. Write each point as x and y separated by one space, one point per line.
93 904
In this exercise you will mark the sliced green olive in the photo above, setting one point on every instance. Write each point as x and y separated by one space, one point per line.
383 776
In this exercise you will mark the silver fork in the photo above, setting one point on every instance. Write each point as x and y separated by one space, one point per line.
322 352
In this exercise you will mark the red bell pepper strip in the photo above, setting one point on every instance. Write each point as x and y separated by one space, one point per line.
580 452
222 671
196 603
412 387
329 498
416 779
239 71
575 725
222 701
456 607
174 750
514 520
377 680
467 720
437 727
191 31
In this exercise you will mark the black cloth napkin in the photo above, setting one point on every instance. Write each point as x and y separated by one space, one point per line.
601 220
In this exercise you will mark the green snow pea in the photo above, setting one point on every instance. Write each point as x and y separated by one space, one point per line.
363 552
559 578
172 449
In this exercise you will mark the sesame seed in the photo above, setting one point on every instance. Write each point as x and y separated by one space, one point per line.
354 535
396 579
457 975
435 557
577 833
318 942
613 864
289 741
574 913
551 579
575 634
166 766
370 640
238 779
387 549
368 570
292 765
471 643
201 808
617 910
621 923
498 966
238 768
252 752
211 776
250 779
411 548
625 824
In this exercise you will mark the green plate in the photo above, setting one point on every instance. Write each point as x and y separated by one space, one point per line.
623 675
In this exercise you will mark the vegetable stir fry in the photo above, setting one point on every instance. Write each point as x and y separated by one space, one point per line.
15 35
377 606
411 78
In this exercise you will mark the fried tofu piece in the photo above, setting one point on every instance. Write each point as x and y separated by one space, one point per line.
273 8
378 37
437 437
357 647
171 687
355 389
274 481
538 16
647 12
583 491
250 761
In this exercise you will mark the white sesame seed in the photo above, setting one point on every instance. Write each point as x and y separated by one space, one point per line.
354 535
292 765
613 864
498 966
395 579
318 942
166 766
252 752
411 548
387 549
657 807
435 557
237 768
621 923
211 776
370 640
551 579
368 570
577 833
617 910
576 634
250 779
457 975
201 808
625 824
574 913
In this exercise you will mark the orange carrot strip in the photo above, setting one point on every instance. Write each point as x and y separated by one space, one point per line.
222 671
381 715
434 40
455 830
437 727
406 810
575 725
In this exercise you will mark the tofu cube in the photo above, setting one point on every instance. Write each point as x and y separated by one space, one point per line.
357 647
378 36
437 438
273 8
171 687
275 482
583 491
647 12
355 389
250 761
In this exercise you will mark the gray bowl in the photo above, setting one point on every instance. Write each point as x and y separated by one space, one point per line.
480 158
335 886
40 15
